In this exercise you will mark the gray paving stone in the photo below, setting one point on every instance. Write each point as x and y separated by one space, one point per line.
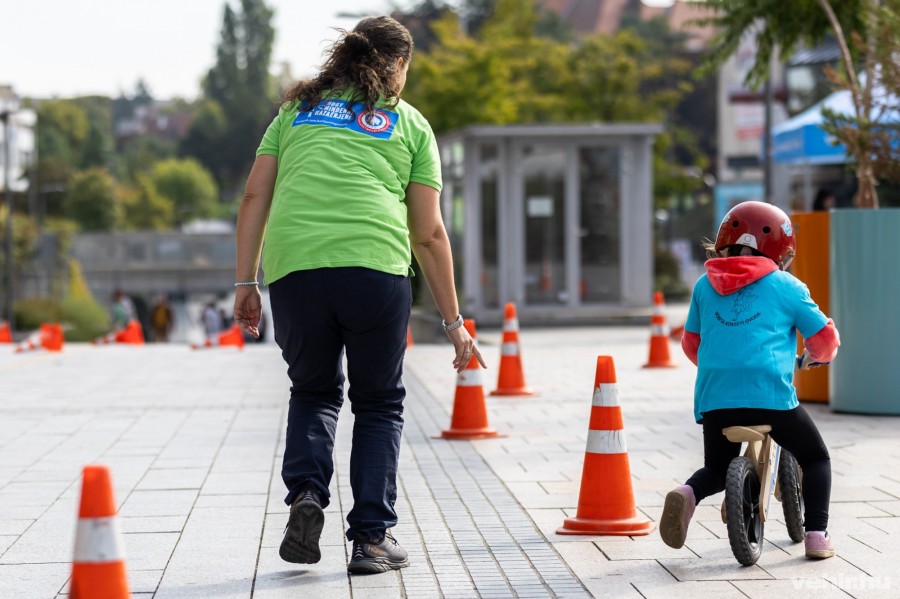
471 514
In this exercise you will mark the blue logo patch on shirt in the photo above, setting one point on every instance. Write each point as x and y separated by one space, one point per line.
333 113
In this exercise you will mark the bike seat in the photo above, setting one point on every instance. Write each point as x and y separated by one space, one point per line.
741 434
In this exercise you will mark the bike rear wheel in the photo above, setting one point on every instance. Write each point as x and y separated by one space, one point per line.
790 481
745 525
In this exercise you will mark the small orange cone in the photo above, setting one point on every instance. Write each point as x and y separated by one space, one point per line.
5 333
659 336
232 337
49 337
469 419
511 378
98 564
409 339
52 337
606 500
132 334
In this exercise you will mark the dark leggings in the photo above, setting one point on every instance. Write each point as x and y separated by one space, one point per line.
793 430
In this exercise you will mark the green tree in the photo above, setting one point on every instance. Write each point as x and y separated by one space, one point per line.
144 208
203 140
141 154
779 28
874 145
25 239
63 127
96 148
240 84
786 25
509 73
188 186
92 200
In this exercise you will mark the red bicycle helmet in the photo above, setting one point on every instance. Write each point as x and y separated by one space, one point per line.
763 227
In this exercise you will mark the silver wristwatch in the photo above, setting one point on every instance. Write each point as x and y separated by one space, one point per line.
453 325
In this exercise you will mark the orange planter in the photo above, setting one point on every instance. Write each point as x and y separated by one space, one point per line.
811 267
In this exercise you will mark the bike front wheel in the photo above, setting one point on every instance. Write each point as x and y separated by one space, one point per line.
790 481
745 525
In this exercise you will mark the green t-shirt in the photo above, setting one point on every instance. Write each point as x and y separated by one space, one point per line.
340 192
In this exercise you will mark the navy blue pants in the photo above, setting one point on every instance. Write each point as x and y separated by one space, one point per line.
794 430
317 315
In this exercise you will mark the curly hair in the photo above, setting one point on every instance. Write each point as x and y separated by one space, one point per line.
362 62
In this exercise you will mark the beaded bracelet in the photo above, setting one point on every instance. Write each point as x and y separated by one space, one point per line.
246 283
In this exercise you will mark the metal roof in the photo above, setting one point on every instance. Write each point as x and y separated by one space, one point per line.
579 130
825 52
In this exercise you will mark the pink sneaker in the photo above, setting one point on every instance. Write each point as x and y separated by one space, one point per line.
818 544
677 513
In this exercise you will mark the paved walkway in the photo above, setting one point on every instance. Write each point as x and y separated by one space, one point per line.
194 440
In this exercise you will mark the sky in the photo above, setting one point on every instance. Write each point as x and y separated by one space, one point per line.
66 48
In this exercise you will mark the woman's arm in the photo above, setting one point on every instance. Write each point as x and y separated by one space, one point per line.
431 247
251 226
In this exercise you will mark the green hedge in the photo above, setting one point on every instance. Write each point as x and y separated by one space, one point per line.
83 319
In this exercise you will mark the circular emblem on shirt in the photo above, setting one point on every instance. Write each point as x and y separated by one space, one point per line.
374 121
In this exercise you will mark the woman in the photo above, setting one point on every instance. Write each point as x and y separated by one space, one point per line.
347 176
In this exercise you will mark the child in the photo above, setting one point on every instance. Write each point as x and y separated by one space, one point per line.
740 332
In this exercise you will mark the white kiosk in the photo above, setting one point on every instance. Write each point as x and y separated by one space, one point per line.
556 218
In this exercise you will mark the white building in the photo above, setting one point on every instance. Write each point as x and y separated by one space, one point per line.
22 130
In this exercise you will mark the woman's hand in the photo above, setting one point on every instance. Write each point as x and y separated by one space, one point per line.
465 348
248 308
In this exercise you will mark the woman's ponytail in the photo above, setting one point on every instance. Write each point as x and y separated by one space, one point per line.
362 62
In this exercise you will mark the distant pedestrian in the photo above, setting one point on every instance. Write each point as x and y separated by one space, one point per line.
347 175
212 320
741 332
824 201
122 311
162 320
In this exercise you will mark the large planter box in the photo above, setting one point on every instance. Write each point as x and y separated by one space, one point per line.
865 305
811 267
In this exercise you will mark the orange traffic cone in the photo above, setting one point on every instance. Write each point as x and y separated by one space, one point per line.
52 337
49 337
409 339
132 334
5 333
606 501
659 336
98 565
232 337
511 378
469 420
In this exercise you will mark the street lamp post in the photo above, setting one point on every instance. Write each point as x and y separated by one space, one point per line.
5 116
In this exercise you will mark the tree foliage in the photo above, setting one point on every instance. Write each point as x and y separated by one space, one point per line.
92 200
25 239
144 208
239 83
509 72
63 127
869 134
779 28
188 186
872 24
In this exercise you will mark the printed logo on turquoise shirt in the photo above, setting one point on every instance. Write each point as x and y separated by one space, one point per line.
334 113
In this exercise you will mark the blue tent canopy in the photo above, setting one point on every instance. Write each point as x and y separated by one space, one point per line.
801 139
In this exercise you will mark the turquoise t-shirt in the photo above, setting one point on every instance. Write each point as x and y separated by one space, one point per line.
748 342
339 196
